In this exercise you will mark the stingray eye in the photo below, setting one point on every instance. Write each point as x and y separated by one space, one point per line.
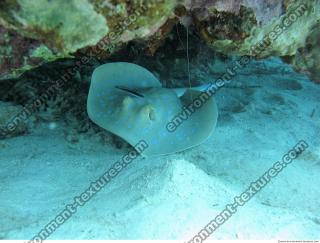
127 101
147 112
152 115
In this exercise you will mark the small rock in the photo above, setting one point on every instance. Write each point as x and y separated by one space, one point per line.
12 120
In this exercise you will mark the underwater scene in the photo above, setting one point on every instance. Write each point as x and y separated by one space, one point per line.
173 120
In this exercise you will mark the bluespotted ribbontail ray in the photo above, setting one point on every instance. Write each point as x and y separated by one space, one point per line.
129 101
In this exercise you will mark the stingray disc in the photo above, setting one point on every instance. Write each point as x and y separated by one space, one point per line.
139 110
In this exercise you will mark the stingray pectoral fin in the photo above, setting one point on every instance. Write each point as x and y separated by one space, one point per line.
125 74
203 119
181 91
197 122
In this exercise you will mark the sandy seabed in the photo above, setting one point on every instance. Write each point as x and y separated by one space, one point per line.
261 117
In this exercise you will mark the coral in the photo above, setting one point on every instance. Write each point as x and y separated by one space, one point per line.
238 32
307 59
35 32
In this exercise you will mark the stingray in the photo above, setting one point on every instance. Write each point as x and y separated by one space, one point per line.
130 102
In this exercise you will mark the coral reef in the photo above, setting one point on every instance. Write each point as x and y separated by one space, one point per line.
34 32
